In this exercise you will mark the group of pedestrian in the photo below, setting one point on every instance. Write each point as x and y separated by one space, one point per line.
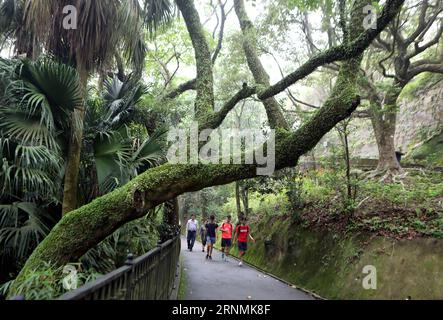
229 235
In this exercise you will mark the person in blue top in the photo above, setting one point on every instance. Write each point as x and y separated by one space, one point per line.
211 236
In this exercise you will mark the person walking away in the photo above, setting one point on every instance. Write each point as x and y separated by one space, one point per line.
227 231
203 235
211 230
191 227
242 233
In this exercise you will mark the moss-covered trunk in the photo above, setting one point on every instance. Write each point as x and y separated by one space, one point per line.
273 110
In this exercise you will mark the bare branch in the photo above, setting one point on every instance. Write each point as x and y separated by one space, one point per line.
223 18
421 23
419 49
436 68
216 118
186 86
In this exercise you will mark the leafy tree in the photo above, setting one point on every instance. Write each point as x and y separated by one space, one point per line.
89 225
410 46
104 28
36 101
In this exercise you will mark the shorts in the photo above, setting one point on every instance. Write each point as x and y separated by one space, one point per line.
226 243
211 240
243 246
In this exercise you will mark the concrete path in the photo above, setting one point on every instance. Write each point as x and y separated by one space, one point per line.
218 280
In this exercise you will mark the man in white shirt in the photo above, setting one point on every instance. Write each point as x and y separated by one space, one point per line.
191 229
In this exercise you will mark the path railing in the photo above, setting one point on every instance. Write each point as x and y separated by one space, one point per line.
149 277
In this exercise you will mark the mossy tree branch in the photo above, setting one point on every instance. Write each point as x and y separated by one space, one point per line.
85 227
261 77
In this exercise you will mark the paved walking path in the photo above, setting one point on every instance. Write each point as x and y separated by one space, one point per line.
218 280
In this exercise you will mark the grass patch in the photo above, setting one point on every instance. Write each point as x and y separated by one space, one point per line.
183 282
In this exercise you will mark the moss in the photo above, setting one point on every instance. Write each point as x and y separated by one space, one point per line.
183 284
431 151
331 265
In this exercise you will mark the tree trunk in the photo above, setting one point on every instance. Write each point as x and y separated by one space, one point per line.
245 199
204 203
385 134
171 212
384 121
272 107
237 200
74 151
183 211
347 158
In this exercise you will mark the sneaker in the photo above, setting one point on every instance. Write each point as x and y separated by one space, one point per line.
240 264
223 256
207 257
210 258
203 250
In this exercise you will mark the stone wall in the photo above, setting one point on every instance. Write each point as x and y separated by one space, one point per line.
420 117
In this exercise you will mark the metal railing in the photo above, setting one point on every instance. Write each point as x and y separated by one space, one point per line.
149 277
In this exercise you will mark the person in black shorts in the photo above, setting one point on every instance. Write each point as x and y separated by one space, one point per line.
211 236
242 234
227 232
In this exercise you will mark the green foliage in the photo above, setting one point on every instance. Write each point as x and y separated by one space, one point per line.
430 152
37 103
296 196
45 283
114 155
418 191
304 5
422 82
137 237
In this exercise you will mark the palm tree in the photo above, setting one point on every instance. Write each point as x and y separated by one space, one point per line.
117 156
105 27
36 99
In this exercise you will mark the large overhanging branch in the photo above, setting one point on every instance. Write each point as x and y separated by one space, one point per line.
85 227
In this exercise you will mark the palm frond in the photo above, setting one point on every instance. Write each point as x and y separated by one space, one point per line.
22 226
157 13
